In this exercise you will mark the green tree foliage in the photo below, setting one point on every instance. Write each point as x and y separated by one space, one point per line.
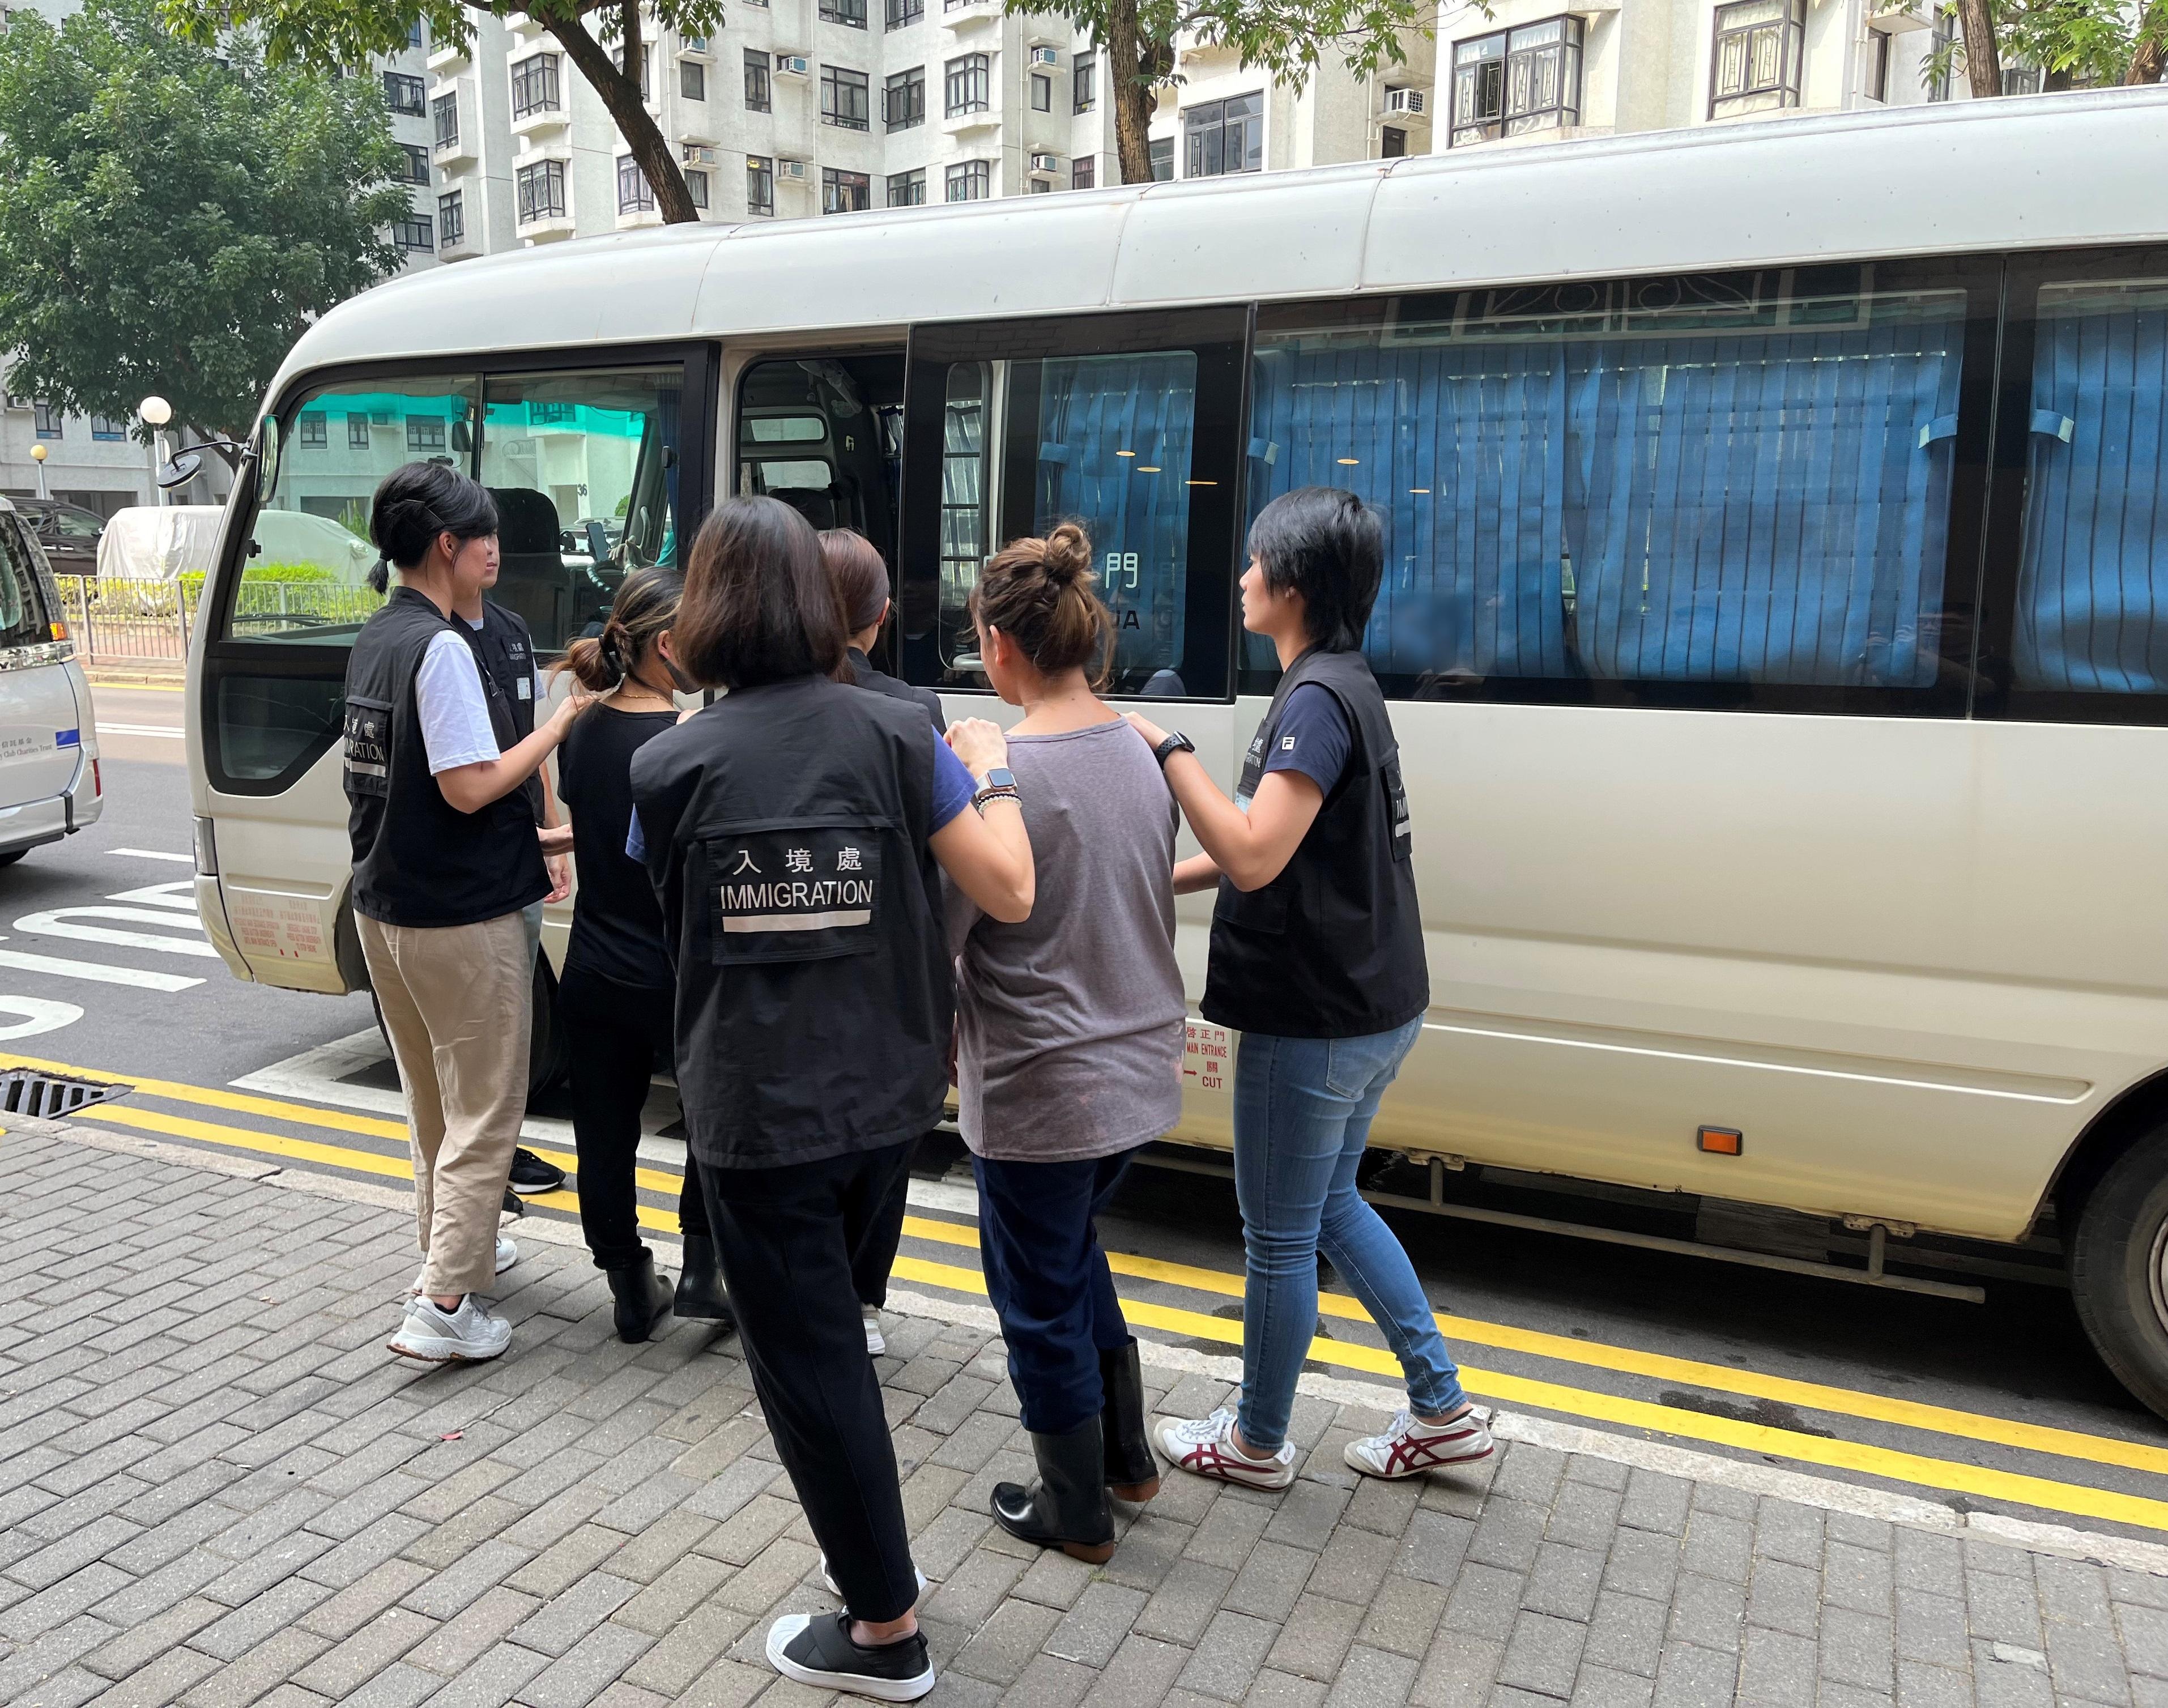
2074 43
327 33
170 219
1288 39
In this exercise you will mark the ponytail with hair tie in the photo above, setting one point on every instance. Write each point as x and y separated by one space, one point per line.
1043 595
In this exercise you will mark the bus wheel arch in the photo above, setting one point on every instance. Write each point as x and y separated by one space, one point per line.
2111 1200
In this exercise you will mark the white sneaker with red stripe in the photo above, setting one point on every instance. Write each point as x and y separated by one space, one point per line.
1410 1447
1206 1447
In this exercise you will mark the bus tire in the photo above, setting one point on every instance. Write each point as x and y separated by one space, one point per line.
2119 1266
547 1060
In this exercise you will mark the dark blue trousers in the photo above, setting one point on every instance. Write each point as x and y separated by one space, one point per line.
1050 1283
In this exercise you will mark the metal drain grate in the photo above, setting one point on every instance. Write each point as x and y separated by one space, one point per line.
48 1096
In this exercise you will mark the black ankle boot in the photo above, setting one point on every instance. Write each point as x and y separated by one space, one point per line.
1066 1508
643 1298
1132 1472
700 1295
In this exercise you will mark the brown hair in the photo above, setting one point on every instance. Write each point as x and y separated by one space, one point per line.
1039 592
861 576
760 605
646 605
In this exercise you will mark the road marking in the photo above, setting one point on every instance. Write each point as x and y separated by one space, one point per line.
180 895
158 730
240 1138
151 853
95 971
37 1014
59 923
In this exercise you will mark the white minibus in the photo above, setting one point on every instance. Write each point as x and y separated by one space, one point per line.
1775 617
51 785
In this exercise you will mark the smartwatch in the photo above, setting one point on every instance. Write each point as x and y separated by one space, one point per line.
1176 743
1001 784
1000 777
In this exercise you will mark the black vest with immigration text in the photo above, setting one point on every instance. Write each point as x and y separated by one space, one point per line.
1332 947
506 650
418 859
786 828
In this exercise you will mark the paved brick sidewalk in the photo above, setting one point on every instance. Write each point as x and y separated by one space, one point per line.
217 1489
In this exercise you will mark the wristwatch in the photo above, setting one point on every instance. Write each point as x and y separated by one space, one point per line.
1176 743
1001 784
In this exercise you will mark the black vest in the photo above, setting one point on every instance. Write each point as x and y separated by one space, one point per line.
505 651
418 859
862 674
786 829
1332 947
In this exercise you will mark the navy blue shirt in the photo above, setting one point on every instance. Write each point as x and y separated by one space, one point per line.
1313 738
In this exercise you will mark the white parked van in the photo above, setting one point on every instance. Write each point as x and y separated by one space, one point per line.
50 785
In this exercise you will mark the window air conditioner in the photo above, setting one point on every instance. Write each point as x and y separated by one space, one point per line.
792 65
1045 162
790 171
1407 103
1044 55
696 154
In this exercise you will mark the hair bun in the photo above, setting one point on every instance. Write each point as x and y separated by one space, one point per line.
1068 555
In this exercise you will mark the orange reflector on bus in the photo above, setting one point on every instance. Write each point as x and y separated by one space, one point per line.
1721 1142
60 631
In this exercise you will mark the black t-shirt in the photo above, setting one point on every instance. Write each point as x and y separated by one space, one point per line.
617 924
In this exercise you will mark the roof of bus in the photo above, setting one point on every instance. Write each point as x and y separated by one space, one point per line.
2031 172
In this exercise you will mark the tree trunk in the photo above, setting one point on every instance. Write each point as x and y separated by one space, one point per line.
1131 95
1983 63
2150 56
620 93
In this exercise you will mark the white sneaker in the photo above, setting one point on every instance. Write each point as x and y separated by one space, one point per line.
1206 1447
438 1336
507 1254
1411 1448
829 1583
876 1342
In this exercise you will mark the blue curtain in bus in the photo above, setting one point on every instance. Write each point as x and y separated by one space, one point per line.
2093 576
1766 507
1115 435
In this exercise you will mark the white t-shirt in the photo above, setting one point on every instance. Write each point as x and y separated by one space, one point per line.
455 725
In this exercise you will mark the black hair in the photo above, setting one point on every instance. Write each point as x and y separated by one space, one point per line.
416 503
1325 543
760 605
645 607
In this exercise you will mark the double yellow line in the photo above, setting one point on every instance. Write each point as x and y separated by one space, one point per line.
1890 1464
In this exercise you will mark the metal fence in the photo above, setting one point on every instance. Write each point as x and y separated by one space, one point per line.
148 625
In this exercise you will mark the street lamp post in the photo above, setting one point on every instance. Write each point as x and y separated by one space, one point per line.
37 456
156 412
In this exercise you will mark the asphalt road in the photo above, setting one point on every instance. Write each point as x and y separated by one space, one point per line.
1999 1405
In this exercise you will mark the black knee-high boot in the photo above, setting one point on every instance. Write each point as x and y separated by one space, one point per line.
1066 1508
1132 1471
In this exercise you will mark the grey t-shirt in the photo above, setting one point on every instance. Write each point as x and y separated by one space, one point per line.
1070 1026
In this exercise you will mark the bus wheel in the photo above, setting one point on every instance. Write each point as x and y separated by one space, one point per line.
547 1061
2119 1269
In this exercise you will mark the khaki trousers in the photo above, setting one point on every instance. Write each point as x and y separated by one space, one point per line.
457 1002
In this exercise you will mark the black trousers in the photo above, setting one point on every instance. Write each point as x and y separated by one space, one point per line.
619 1034
786 1237
872 1254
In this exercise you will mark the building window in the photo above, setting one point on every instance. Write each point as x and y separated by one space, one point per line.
312 425
534 86
971 85
692 80
758 96
851 13
635 194
906 190
1392 143
1941 49
1224 136
1878 64
903 99
356 433
1759 46
900 12
971 180
415 234
846 97
1085 83
1160 151
417 162
425 432
1084 174
1512 82
104 428
541 191
404 94
46 422
1042 93
760 184
646 67
445 109
2021 80
414 35
696 186
452 218
845 192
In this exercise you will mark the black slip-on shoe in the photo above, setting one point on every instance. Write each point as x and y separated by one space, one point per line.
816 1649
531 1176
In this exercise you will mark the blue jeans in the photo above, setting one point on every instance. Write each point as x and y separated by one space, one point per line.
1303 1109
